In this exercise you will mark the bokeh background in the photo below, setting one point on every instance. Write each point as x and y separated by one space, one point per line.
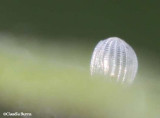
45 51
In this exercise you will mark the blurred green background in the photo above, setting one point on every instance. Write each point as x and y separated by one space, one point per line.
45 51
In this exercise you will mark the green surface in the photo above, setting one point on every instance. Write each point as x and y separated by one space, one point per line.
54 81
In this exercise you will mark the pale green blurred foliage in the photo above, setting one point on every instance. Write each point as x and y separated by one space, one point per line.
53 80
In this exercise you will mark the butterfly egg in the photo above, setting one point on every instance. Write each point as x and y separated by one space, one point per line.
114 58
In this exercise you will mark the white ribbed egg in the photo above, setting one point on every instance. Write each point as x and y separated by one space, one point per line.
114 58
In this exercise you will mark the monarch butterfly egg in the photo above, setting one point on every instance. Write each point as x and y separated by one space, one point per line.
114 58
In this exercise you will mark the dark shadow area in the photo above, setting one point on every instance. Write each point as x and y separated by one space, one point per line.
135 21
